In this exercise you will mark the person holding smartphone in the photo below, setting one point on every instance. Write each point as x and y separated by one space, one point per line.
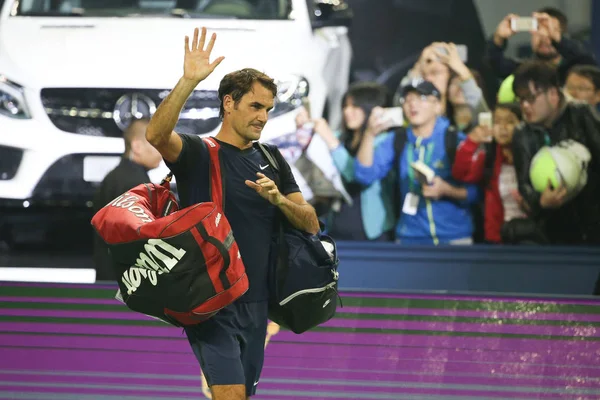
486 158
433 212
549 42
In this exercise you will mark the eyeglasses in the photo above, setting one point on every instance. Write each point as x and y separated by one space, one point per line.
530 98
581 89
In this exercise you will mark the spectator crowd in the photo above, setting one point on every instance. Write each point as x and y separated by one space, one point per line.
434 163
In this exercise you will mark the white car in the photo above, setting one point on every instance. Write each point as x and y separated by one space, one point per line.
73 73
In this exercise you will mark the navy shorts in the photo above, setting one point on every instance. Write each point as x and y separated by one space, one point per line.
230 346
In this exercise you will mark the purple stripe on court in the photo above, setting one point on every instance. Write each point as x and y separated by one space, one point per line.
14 299
279 349
304 387
483 298
280 374
318 337
128 314
104 360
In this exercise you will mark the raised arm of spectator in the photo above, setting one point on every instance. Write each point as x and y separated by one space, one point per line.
372 163
494 55
471 90
572 51
469 162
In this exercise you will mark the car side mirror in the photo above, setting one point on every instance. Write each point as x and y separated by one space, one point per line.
330 13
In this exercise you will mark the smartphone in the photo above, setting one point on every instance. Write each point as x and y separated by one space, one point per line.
523 24
463 52
461 48
485 119
393 115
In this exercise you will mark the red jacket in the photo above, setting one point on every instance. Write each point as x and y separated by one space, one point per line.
469 166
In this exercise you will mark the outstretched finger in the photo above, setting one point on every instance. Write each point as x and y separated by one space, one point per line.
215 63
263 180
187 44
211 43
253 185
195 40
202 39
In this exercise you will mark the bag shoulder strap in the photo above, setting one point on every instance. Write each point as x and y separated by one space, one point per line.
217 183
399 143
451 143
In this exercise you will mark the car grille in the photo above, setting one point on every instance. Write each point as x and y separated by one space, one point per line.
10 159
108 112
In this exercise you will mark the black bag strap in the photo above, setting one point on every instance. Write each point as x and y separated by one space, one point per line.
451 143
399 143
282 256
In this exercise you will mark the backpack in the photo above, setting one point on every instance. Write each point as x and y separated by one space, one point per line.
180 266
304 278
450 142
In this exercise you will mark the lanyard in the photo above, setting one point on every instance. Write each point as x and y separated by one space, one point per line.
422 157
547 139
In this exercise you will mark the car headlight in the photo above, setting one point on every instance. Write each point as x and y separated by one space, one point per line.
12 99
289 95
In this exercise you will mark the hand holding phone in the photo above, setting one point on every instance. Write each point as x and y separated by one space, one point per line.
485 119
523 24
392 116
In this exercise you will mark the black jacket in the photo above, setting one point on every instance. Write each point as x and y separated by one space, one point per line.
577 221
124 177
572 52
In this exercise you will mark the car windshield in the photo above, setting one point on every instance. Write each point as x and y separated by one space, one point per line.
237 9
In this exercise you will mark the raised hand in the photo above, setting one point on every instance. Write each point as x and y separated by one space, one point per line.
481 134
548 26
448 54
504 30
196 64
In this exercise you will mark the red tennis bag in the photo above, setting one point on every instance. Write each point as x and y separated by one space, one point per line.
181 266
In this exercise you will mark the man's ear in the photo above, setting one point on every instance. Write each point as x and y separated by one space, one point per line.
554 94
228 103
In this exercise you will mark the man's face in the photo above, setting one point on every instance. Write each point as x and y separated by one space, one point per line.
537 105
249 116
582 88
541 44
420 109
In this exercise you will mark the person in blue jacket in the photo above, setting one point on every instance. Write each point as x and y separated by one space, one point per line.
434 212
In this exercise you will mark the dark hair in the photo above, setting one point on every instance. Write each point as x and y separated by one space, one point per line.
559 15
514 108
542 74
590 72
367 96
238 83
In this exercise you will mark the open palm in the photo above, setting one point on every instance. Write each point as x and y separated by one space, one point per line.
196 64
